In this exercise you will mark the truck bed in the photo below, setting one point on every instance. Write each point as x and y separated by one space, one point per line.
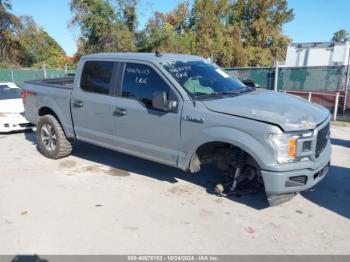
62 82
51 93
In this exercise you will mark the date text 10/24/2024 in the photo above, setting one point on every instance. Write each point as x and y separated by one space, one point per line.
173 258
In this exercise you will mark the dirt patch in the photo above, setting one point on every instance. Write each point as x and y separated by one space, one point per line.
131 228
218 200
92 169
67 164
111 171
180 190
205 213
117 172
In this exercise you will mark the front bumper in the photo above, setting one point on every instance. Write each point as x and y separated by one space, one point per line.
279 182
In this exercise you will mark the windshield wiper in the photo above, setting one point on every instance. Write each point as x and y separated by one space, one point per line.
236 92
216 94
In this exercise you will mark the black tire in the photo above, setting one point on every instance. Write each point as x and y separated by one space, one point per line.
60 145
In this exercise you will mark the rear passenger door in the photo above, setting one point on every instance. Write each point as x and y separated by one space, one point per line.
140 129
91 103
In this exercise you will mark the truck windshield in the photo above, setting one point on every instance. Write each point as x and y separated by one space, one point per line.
9 93
202 79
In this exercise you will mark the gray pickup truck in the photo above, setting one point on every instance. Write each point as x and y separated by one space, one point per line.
184 111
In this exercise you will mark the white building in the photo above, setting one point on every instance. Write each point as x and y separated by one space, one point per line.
318 54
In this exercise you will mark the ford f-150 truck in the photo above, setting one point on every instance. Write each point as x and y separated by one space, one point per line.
183 111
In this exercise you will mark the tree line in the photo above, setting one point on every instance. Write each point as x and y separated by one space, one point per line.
230 32
24 44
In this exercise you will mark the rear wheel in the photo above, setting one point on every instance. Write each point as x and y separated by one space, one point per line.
52 142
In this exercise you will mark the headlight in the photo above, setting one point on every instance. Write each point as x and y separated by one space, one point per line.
285 146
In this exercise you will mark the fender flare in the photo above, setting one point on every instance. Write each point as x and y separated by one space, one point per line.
52 106
235 137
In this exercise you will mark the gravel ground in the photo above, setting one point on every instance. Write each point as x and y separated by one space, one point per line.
101 202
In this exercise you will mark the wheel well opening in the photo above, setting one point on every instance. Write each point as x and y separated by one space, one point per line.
224 154
47 111
229 159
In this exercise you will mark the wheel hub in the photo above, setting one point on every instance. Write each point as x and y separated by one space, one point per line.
48 137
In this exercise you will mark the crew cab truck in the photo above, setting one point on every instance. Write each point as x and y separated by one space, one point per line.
183 111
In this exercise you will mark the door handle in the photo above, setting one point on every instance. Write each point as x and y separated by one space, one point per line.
119 112
78 104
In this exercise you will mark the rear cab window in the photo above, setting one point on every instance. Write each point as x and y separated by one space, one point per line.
140 82
97 77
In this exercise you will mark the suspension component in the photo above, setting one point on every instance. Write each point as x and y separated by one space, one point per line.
234 182
239 165
241 159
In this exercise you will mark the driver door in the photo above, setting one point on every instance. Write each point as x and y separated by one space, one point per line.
140 129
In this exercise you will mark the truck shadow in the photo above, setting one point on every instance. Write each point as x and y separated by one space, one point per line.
206 178
333 192
340 142
28 258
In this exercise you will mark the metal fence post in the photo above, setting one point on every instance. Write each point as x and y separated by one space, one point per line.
346 83
275 83
44 69
309 98
336 107
12 77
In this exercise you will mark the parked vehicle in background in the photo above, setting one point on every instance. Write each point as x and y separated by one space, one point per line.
11 109
183 111
8 85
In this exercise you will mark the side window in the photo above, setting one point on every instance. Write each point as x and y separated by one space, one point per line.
97 77
140 82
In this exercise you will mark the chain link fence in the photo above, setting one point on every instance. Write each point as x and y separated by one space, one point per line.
325 85
317 84
325 79
18 76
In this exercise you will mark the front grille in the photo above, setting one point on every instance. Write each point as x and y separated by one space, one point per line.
322 139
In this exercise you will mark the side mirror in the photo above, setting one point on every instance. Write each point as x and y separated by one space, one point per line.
160 101
250 83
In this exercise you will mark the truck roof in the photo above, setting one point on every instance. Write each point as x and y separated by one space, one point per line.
150 57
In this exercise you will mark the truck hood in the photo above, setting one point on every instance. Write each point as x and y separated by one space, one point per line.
289 112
